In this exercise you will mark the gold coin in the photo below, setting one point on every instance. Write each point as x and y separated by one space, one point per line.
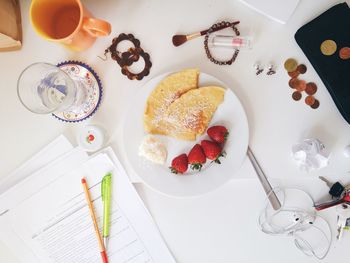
328 47
290 64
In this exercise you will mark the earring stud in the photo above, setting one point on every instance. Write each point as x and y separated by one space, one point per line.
258 69
270 70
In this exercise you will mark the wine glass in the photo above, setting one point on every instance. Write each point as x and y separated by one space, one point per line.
44 88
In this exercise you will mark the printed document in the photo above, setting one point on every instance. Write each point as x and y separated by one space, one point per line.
55 224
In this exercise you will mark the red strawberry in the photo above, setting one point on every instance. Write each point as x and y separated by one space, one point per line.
218 133
179 164
196 157
212 150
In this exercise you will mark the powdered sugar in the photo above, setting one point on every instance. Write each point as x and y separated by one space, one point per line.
190 118
161 110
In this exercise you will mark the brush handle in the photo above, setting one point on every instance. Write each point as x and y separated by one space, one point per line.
201 33
192 36
217 29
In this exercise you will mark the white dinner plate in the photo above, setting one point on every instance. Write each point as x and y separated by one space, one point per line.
230 114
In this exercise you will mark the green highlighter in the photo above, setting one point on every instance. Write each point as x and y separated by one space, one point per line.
106 188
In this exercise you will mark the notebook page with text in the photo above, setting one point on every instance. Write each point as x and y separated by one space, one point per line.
56 225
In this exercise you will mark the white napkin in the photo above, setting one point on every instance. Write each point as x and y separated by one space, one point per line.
310 155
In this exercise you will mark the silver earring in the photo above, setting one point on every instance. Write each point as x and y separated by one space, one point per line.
270 70
258 69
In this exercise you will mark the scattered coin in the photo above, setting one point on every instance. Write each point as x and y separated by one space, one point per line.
315 105
294 74
310 100
296 95
294 70
301 85
290 64
293 83
302 69
328 47
344 53
311 88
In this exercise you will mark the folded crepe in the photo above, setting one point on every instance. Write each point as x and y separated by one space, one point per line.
189 116
166 92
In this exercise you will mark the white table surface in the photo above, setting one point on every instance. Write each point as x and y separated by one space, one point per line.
219 226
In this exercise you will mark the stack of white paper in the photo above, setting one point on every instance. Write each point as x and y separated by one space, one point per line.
45 218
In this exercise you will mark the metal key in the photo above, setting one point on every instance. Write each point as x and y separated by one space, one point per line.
329 184
335 189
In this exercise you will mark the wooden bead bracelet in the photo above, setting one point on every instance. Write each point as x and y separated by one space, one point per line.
206 47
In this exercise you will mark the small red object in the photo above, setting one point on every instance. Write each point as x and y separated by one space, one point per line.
179 164
218 133
90 138
346 198
104 256
196 157
212 150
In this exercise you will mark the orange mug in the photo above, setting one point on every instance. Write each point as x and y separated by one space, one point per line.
67 22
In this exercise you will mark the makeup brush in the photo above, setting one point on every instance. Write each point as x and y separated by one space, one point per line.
181 39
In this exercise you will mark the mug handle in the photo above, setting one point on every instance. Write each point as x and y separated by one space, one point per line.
96 27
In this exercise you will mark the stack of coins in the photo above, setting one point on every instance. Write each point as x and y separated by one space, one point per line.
299 85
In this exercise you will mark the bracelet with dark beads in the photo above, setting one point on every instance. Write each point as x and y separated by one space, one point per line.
206 39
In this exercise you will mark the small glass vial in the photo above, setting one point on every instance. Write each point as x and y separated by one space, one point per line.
236 42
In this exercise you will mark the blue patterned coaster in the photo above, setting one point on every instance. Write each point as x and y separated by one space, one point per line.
83 73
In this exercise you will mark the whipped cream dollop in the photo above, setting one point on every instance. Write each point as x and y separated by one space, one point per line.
153 149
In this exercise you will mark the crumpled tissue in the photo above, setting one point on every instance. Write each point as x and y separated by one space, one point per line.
310 155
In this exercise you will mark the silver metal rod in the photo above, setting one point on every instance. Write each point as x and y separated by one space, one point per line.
275 203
